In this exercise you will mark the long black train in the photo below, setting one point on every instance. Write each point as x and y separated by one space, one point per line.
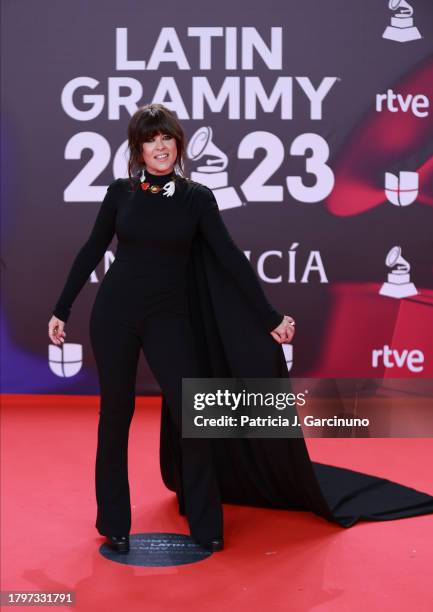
142 303
269 472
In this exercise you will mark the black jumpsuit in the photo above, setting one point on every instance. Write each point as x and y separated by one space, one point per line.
142 304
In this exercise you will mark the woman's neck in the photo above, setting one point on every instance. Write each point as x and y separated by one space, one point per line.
158 178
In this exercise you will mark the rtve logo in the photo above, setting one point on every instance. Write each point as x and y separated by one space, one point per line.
413 359
399 103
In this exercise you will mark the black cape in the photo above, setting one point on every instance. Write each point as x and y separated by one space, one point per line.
272 473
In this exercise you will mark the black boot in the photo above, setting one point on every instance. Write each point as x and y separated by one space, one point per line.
212 546
215 545
181 504
118 543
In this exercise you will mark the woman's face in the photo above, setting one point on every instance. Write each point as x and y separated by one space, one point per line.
159 153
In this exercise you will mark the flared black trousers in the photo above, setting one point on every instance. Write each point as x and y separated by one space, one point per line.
167 341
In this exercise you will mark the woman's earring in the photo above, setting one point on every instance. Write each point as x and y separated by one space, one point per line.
144 184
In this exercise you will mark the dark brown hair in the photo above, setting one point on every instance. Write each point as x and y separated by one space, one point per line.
146 122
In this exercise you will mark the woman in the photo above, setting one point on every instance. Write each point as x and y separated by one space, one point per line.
142 303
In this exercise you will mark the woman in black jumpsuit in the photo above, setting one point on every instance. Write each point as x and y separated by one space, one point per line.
142 304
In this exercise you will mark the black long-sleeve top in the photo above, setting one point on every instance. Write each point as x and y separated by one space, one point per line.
154 234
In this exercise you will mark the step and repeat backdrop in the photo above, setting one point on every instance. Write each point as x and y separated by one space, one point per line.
312 122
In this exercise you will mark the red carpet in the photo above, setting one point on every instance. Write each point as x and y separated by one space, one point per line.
273 559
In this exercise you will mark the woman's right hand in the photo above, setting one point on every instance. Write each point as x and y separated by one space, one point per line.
56 331
283 334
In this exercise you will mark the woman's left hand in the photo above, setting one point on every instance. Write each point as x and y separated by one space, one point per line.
285 331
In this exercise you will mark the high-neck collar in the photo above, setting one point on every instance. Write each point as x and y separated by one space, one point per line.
159 179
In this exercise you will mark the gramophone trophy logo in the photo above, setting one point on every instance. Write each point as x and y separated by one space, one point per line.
402 28
212 172
398 284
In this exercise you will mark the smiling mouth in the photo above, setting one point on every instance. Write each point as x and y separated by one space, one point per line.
162 156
